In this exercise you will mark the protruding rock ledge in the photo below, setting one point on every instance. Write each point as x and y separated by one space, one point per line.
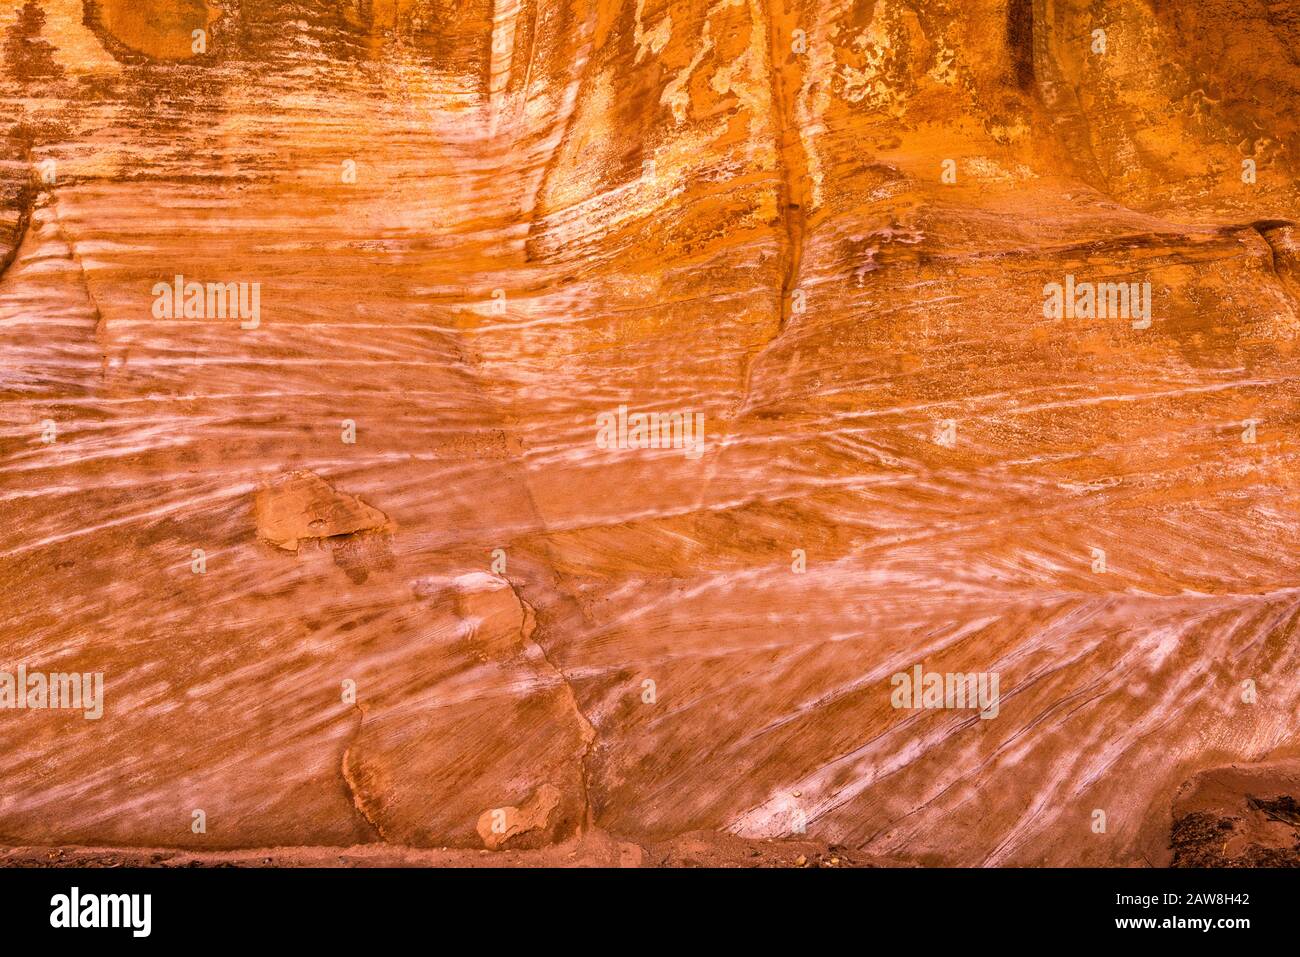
531 822
301 506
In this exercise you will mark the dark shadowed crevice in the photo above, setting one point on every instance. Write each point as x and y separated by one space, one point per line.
1020 42
25 200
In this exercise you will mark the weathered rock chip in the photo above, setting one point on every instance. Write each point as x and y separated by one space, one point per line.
302 505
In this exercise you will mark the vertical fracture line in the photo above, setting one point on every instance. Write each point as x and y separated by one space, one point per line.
505 16
785 82
792 163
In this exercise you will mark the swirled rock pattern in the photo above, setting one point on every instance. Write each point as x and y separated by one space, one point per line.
330 332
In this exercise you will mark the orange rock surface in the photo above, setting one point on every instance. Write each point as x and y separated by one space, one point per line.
330 333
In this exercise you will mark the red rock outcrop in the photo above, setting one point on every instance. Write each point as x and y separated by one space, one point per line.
482 231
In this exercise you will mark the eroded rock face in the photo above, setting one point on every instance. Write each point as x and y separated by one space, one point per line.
1240 816
497 237
478 713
